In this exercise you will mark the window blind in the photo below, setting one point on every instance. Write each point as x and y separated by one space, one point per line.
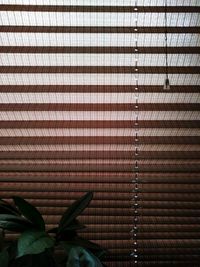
83 109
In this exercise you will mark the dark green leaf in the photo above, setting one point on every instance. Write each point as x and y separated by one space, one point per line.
67 236
33 242
78 256
30 212
74 210
12 250
67 246
12 226
73 259
14 223
92 247
75 225
4 258
7 208
2 234
100 254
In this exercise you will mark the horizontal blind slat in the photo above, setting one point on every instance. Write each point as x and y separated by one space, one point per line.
87 8
62 29
96 88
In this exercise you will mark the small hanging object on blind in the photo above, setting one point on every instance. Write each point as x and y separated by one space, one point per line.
166 82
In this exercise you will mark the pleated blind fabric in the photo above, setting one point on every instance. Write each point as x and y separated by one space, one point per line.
83 109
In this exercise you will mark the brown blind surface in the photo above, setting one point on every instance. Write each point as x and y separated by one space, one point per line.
82 108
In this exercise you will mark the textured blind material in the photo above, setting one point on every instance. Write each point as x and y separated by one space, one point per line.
82 108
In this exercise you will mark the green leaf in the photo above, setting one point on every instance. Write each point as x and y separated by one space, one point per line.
2 235
74 210
30 212
14 223
98 251
33 242
80 257
4 258
73 259
7 208
12 250
12 226
100 254
75 225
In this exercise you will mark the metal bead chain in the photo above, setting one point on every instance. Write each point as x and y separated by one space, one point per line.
135 180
